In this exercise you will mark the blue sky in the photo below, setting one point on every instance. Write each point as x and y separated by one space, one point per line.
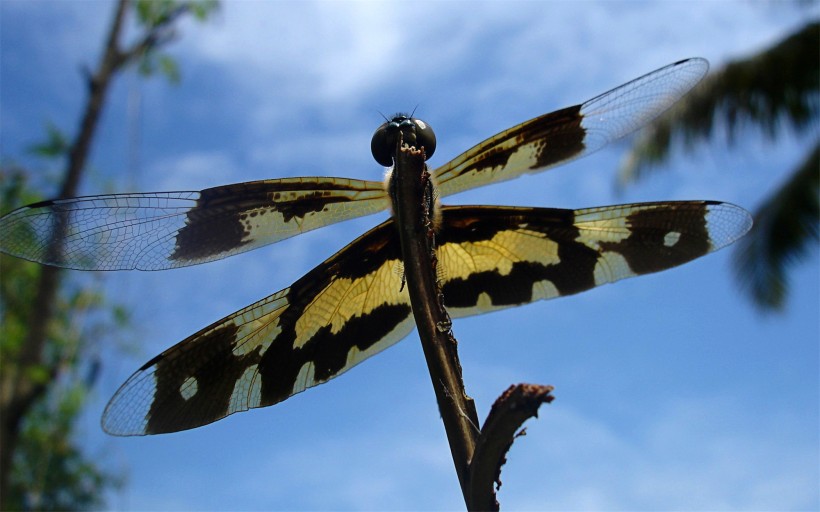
672 391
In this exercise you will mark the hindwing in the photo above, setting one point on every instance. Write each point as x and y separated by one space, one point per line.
354 305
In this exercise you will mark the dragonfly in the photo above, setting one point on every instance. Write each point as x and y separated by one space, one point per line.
354 304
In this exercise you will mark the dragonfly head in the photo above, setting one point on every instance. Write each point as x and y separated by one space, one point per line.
415 132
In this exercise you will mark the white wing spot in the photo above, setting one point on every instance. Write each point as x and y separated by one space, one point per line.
247 391
671 239
484 302
189 388
611 267
305 378
544 289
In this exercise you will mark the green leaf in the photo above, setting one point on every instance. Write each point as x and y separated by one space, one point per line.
154 12
202 9
55 145
49 471
168 67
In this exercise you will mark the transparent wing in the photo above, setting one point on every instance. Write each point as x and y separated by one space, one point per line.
155 231
558 137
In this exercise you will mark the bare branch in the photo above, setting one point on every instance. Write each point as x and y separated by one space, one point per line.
516 405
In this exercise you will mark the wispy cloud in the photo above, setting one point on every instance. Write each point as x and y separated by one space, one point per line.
684 457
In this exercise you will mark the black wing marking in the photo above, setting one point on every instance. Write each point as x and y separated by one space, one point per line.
353 305
558 137
155 231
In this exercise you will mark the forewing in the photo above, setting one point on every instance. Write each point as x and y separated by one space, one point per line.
498 257
155 231
572 132
347 309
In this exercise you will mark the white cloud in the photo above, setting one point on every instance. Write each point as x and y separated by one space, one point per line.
336 48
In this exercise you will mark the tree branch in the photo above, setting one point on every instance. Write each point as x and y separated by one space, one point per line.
516 405
19 389
160 33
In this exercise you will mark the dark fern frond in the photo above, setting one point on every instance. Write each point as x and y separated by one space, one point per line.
775 88
784 232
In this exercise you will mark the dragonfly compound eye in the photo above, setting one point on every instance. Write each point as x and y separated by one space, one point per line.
415 133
